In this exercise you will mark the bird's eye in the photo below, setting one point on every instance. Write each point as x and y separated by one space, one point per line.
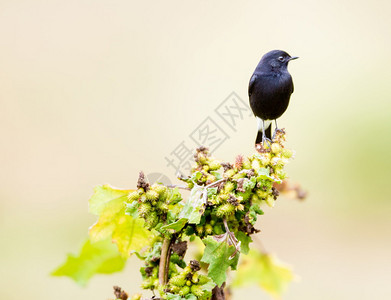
281 58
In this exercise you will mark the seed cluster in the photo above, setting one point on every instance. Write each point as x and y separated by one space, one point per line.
150 270
234 196
240 189
190 281
153 203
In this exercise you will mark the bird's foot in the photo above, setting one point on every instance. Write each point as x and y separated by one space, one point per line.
277 131
264 145
278 135
266 141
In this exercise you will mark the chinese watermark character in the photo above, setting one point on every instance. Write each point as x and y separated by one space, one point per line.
233 109
209 134
180 158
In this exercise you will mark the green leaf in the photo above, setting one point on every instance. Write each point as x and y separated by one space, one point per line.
191 297
264 270
254 211
177 226
194 206
95 258
264 176
173 297
217 255
209 286
264 171
212 192
128 233
217 175
132 209
245 240
196 176
249 184
174 196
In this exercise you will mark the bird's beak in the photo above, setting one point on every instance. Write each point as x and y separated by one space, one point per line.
293 57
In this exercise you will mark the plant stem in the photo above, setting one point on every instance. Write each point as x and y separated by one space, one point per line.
218 293
165 260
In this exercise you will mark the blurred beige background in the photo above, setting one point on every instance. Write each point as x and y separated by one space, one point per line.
93 91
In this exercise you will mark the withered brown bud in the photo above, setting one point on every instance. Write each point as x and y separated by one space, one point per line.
148 271
202 149
142 182
226 166
250 173
239 187
195 265
180 248
119 293
233 200
275 193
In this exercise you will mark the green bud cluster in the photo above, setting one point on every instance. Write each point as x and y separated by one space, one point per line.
154 204
150 270
205 170
240 188
208 225
233 195
190 281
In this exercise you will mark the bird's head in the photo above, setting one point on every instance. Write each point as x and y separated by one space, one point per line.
276 60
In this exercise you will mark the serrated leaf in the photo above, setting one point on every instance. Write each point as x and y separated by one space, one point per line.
177 226
94 258
128 233
265 271
217 255
194 206
244 240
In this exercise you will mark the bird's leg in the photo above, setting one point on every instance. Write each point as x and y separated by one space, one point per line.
275 130
264 138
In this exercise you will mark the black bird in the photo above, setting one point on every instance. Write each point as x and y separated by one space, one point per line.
269 90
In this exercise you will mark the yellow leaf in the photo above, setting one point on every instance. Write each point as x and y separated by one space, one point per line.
94 258
264 270
128 233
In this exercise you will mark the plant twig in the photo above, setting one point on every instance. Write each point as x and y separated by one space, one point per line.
165 260
218 292
172 186
215 183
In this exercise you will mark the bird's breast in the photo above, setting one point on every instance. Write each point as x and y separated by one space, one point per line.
270 95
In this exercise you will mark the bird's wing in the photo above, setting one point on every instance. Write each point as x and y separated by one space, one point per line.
251 84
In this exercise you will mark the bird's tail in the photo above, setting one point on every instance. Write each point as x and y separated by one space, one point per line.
268 133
